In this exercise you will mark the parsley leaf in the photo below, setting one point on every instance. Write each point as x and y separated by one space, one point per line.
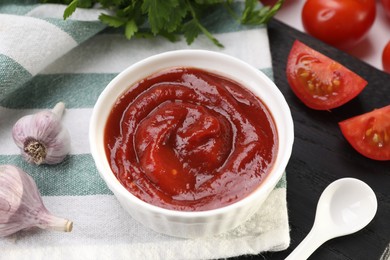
194 27
164 15
70 9
191 31
256 16
169 18
112 21
130 29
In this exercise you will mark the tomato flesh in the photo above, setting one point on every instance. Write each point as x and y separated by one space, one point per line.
369 133
320 82
341 23
386 57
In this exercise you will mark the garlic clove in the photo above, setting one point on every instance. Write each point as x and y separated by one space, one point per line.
41 137
21 205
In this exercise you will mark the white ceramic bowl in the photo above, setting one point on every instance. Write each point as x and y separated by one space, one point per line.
200 223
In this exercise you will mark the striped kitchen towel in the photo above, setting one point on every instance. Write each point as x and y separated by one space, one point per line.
33 36
44 60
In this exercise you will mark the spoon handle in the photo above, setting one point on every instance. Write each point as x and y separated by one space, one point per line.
308 245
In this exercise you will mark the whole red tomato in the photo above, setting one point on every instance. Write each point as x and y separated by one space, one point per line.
386 7
386 58
341 23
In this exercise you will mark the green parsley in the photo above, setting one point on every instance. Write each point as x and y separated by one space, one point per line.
169 18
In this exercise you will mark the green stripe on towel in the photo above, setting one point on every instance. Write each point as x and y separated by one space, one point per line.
75 176
11 75
76 90
268 72
78 30
18 7
283 182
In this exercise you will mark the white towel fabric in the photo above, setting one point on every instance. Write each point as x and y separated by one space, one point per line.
386 254
44 60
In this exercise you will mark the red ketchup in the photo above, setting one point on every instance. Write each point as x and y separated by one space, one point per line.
191 140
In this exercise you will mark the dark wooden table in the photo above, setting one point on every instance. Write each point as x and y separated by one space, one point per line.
321 155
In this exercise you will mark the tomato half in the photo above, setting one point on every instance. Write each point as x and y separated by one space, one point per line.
386 57
341 23
386 7
369 133
320 82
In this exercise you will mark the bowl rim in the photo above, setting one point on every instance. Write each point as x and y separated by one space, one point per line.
113 183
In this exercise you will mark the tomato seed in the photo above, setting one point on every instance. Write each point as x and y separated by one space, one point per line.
304 74
336 82
368 132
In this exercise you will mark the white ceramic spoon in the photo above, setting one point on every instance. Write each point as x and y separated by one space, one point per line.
346 206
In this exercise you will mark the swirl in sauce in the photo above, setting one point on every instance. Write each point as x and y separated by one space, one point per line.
191 140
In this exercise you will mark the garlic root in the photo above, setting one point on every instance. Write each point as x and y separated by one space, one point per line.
41 137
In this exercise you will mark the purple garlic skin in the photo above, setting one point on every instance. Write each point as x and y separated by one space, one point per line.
41 137
21 205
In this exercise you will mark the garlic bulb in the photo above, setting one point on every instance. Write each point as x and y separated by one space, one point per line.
21 205
41 137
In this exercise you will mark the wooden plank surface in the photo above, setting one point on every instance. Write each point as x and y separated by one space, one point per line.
322 155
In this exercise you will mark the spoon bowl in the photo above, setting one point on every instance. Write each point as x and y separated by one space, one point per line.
356 208
345 206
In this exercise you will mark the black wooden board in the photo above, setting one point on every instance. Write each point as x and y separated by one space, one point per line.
321 155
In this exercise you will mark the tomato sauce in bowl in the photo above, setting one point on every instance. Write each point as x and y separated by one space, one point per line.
188 139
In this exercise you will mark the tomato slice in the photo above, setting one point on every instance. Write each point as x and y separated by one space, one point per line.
320 82
369 133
